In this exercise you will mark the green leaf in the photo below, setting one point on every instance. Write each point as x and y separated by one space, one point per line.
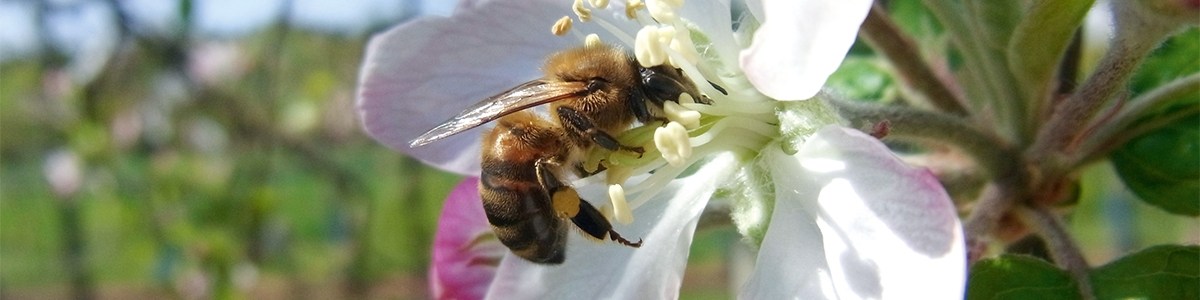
996 20
1163 168
1174 59
861 78
1039 41
1019 277
1160 272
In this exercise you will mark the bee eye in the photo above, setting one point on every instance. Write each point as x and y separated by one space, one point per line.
596 83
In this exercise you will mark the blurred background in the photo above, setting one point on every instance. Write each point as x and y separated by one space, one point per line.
211 149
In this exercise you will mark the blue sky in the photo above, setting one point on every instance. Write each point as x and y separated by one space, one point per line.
88 26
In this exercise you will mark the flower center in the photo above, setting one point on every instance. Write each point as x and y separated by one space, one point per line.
739 118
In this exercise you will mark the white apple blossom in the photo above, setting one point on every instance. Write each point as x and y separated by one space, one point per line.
843 217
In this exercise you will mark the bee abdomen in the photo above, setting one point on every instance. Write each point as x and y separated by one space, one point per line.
522 217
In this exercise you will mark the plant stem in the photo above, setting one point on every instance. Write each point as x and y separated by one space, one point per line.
1121 128
994 202
1134 39
884 36
997 157
1062 248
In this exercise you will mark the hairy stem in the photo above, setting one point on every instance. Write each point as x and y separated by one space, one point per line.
997 157
1134 39
883 35
1121 128
994 202
1062 248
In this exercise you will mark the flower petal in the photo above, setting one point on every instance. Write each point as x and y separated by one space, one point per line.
887 230
421 73
712 18
465 251
800 43
607 270
791 260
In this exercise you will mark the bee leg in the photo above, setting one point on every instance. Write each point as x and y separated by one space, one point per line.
579 123
637 103
660 87
582 171
567 204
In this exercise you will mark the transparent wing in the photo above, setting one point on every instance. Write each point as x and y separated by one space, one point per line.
523 96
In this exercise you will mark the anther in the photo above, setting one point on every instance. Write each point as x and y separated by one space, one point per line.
562 26
584 13
621 212
592 40
647 48
677 113
631 8
601 4
672 141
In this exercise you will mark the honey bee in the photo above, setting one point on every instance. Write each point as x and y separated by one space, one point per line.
594 93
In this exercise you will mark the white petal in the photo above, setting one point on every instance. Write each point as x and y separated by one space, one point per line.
712 18
800 43
421 73
791 260
610 271
887 230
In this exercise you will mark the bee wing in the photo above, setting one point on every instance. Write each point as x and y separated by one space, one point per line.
523 96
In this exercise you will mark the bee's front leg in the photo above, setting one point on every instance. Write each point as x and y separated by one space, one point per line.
575 121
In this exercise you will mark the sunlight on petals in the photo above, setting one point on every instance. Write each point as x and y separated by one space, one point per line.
785 67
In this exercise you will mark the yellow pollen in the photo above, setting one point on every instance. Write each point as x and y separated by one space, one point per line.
566 202
562 26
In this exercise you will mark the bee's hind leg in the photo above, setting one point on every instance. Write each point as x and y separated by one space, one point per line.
567 204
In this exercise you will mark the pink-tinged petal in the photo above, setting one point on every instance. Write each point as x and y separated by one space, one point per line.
605 270
800 43
888 230
465 251
424 72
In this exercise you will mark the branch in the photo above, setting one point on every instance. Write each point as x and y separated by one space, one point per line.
998 158
1062 248
879 31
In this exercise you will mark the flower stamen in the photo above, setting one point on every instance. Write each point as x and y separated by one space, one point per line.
584 13
592 40
600 4
561 26
620 207
631 8
672 142
689 118
647 47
